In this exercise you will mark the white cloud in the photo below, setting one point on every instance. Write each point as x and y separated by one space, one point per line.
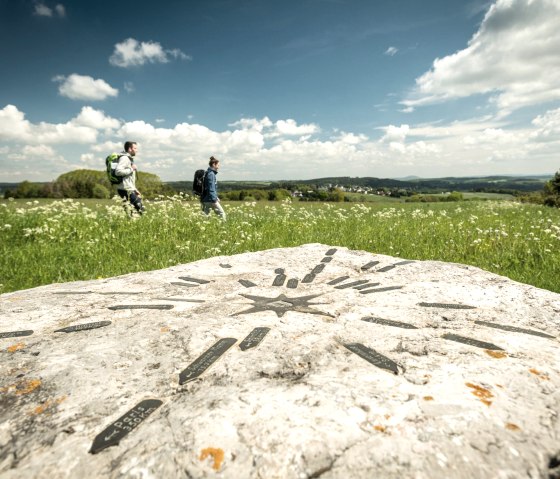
43 10
97 119
81 87
283 149
391 51
131 53
514 56
60 10
15 128
129 86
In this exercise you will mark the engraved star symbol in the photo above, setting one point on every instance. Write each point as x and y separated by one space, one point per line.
282 304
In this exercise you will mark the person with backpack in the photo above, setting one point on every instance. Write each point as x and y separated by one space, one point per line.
126 170
209 198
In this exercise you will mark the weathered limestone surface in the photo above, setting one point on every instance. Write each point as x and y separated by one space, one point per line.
438 371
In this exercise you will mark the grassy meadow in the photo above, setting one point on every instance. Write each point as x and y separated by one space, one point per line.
46 241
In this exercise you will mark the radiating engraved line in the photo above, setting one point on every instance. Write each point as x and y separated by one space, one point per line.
254 338
381 290
292 283
330 252
194 280
16 334
327 259
386 268
308 278
279 280
389 322
112 435
141 306
320 267
514 329
83 327
352 284
471 342
205 360
186 300
185 285
338 280
247 283
369 265
373 357
367 285
446 306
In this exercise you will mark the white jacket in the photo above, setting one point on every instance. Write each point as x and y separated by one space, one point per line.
124 170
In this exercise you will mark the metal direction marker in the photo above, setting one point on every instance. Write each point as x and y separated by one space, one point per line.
194 280
205 360
186 285
320 267
16 334
330 252
401 263
253 338
386 268
351 285
373 357
326 259
471 342
83 327
186 300
446 306
388 322
73 292
247 283
366 285
112 435
308 278
338 280
279 280
141 306
292 283
369 265
514 329
381 290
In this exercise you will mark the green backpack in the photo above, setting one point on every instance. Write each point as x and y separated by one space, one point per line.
111 163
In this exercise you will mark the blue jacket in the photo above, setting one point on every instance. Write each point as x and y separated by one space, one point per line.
210 194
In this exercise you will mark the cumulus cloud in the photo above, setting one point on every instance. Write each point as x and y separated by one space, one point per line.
391 51
514 57
132 53
281 149
82 87
14 127
43 10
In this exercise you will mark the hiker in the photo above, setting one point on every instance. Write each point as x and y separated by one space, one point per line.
127 170
209 199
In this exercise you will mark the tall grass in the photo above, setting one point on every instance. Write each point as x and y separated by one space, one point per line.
46 242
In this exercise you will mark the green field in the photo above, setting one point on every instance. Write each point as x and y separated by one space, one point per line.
43 242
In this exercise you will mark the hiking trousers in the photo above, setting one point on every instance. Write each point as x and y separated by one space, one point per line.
133 198
217 207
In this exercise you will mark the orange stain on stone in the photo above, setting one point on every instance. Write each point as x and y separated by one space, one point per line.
482 393
539 374
41 408
16 347
512 427
496 354
216 454
164 329
23 387
428 398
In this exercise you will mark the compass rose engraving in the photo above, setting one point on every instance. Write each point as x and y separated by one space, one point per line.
282 304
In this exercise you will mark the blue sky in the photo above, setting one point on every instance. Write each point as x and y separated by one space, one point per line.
290 89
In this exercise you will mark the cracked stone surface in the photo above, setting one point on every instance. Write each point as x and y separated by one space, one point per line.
371 367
